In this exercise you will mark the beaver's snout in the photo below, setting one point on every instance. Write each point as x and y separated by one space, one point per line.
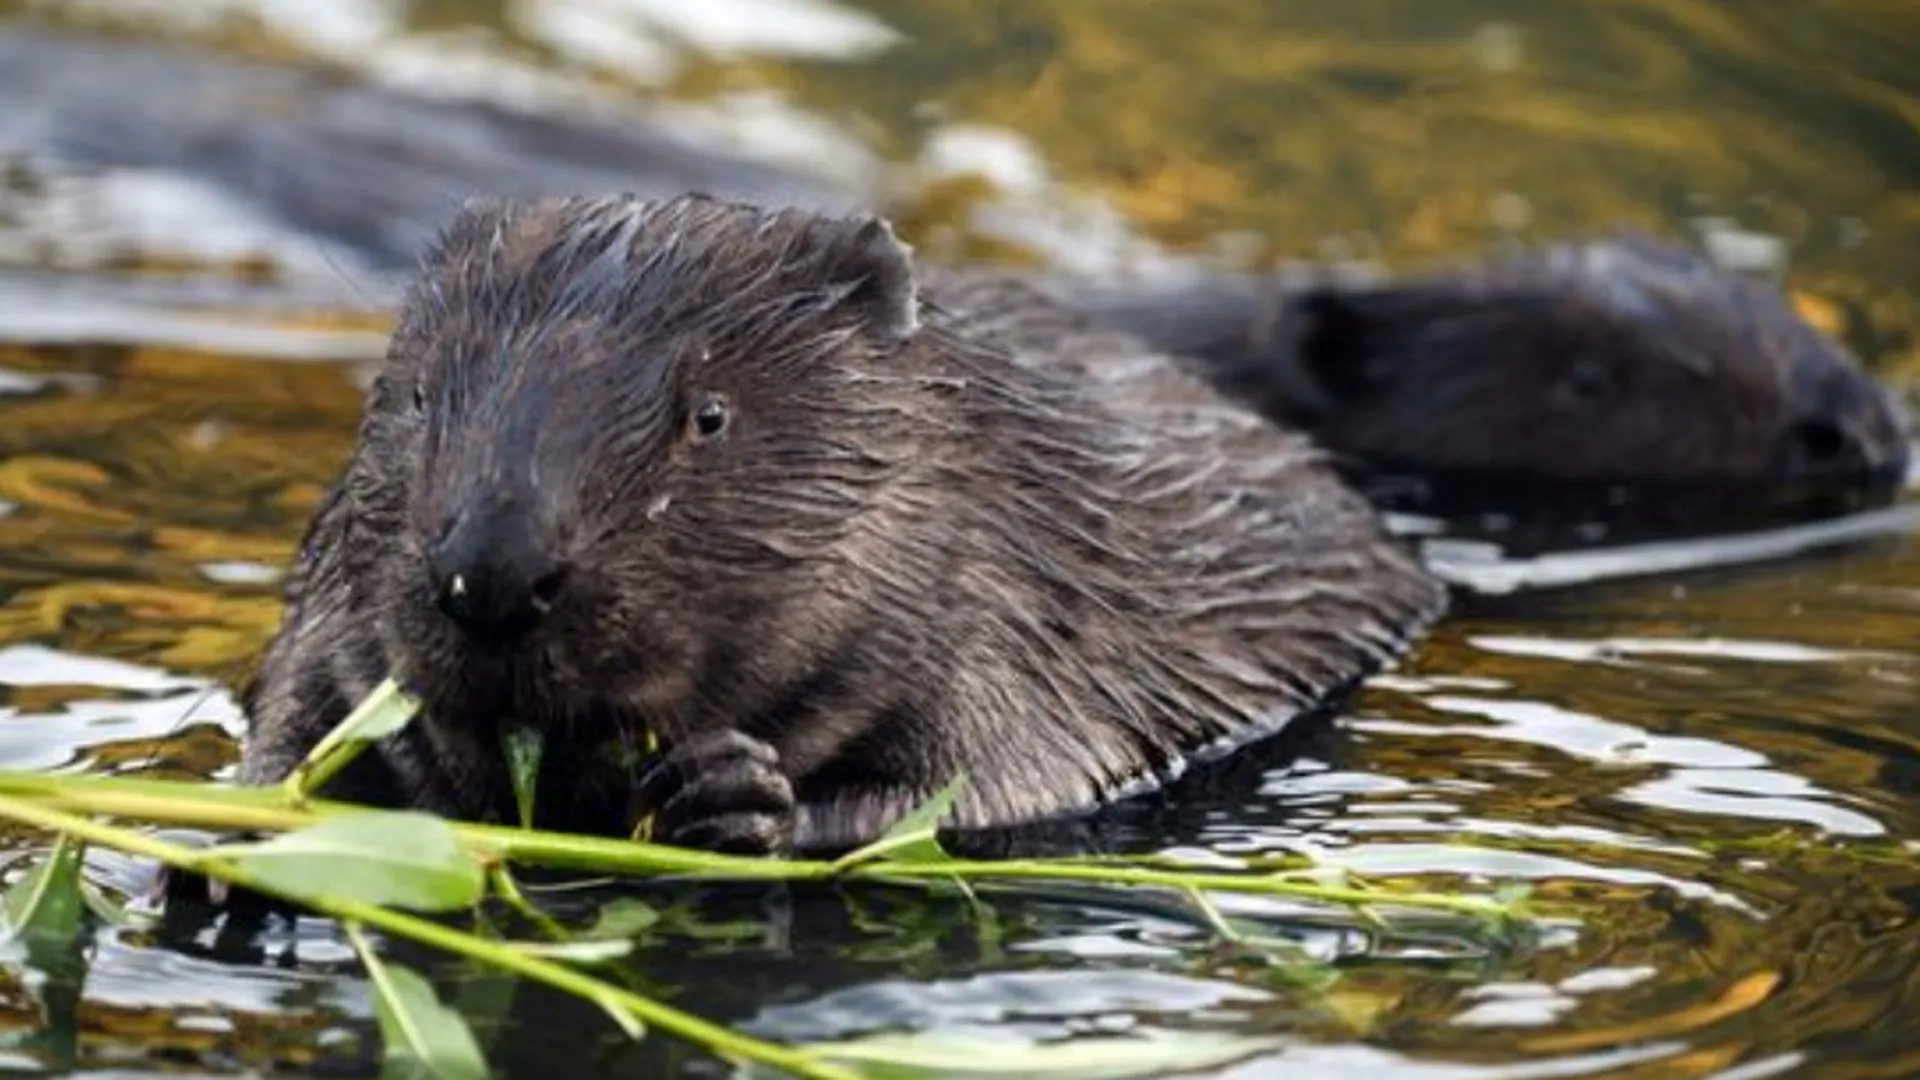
1855 430
490 573
1819 447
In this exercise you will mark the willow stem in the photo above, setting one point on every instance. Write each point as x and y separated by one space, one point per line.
718 1039
184 803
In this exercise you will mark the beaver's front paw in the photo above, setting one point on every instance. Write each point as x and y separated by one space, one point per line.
718 791
183 897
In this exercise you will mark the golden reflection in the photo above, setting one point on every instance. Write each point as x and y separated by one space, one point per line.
1428 131
1745 994
50 483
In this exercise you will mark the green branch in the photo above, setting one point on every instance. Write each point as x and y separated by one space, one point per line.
202 805
722 1041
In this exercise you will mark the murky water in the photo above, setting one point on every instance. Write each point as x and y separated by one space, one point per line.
1719 771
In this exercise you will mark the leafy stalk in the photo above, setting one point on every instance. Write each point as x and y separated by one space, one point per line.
197 804
726 1043
386 710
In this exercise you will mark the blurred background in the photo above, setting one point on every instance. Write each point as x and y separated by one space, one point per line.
1092 136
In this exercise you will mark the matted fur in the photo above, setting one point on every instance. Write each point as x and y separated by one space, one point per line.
952 528
1614 360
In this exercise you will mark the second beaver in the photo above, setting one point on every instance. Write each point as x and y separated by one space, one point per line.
1615 363
834 531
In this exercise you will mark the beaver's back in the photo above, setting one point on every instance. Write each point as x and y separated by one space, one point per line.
1153 573
1561 375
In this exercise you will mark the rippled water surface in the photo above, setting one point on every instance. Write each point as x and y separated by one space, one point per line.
1717 772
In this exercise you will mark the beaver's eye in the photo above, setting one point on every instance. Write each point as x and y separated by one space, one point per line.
710 417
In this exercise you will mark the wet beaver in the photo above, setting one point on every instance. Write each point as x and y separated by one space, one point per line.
1611 363
834 528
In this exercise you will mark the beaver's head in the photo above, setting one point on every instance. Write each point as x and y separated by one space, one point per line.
1620 361
617 446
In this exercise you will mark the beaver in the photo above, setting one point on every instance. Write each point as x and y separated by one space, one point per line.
1621 363
836 529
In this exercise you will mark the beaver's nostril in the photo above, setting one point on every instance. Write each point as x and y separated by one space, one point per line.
547 587
1817 446
1820 439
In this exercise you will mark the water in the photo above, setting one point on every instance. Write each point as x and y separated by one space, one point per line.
1719 770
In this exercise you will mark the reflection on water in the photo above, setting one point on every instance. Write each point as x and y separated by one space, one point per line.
55 708
1707 754
1486 568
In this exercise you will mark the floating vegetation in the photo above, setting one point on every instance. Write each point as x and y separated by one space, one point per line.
404 873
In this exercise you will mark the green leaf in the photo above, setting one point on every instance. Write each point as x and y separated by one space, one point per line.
105 908
523 747
1512 893
484 993
918 1055
422 1037
381 713
575 952
622 1016
45 914
632 760
622 920
1216 919
1287 968
47 903
913 838
403 859
485 998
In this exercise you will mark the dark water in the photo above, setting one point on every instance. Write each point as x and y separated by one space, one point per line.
1718 771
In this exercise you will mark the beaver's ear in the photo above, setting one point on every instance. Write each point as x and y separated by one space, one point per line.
1333 345
876 266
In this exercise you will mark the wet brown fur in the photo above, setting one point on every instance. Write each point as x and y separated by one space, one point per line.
1621 360
952 529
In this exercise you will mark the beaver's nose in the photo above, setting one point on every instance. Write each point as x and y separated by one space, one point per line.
490 575
1851 429
1822 448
